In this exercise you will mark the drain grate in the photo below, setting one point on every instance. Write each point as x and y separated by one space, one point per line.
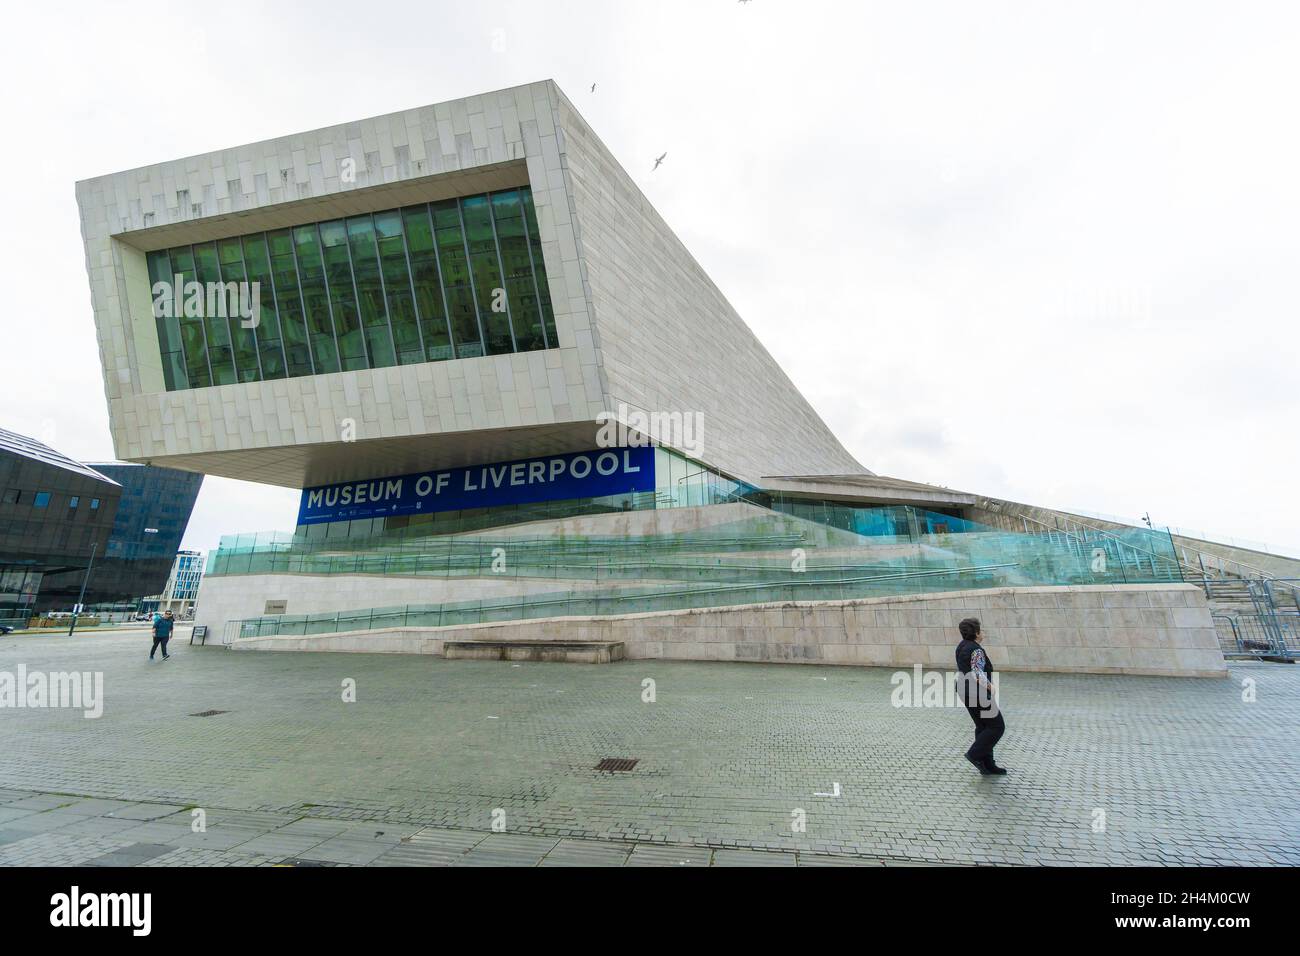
617 764
209 713
301 862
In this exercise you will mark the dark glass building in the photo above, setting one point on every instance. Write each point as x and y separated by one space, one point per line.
150 521
53 512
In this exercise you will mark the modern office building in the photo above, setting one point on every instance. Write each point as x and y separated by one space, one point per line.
56 514
514 403
152 514
182 589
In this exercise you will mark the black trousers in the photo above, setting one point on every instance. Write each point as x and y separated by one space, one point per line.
989 729
159 640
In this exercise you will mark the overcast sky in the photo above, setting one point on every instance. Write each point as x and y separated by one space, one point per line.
1044 251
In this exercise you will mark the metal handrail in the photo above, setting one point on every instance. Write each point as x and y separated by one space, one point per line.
1254 571
1196 571
1109 534
444 546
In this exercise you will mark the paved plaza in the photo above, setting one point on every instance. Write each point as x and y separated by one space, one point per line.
737 764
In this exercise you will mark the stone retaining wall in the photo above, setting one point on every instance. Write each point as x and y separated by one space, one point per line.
1160 630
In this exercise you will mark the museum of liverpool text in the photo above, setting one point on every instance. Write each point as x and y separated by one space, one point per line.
518 410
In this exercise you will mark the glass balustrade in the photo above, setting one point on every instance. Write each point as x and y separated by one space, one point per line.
775 554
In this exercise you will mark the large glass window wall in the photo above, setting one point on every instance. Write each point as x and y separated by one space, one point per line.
458 278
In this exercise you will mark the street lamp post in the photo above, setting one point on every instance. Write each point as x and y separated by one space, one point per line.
82 596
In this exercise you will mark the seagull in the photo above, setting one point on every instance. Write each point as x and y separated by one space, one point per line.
658 161
593 87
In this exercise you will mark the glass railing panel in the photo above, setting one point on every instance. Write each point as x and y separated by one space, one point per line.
848 553
388 617
321 624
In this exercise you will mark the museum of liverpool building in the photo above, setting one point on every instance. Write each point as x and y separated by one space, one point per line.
524 422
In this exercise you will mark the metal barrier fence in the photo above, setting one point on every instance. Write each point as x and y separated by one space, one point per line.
1263 624
1247 636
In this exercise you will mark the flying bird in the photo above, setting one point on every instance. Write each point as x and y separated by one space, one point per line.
658 161
593 87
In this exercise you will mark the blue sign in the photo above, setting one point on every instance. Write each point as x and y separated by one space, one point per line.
588 474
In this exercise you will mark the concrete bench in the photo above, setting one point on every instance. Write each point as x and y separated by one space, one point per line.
574 652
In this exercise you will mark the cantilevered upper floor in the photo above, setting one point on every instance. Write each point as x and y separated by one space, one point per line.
477 280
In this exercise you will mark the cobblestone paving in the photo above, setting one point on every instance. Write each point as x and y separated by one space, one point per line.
731 758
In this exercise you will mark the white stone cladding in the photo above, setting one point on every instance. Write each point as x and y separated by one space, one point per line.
1160 630
638 321
670 340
